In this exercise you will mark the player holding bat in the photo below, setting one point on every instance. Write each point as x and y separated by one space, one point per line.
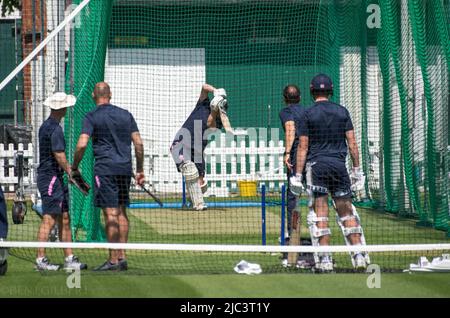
54 192
290 117
189 143
326 136
112 130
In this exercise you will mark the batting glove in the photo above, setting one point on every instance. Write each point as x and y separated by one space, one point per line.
218 103
358 179
220 92
296 185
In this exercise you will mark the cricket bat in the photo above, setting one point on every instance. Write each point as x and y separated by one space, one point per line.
154 197
77 180
295 235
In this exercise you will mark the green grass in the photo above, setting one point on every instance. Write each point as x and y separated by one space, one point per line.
21 281
202 274
234 226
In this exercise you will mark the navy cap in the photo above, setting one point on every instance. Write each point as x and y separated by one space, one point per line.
321 82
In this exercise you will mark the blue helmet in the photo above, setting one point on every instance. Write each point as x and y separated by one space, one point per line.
321 83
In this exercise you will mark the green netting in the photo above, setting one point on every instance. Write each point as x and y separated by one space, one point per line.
389 61
89 48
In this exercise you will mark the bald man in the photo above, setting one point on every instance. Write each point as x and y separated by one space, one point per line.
112 130
290 117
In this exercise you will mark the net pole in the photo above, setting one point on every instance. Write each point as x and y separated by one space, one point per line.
232 248
183 184
39 48
283 215
263 214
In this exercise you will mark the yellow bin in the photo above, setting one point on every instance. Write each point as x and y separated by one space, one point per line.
247 188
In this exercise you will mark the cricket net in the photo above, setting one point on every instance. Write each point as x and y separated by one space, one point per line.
389 62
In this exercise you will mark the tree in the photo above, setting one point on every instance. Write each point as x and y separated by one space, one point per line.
9 6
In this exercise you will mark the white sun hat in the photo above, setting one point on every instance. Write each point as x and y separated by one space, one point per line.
60 100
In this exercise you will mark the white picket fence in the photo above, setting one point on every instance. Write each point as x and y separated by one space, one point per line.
226 165
8 177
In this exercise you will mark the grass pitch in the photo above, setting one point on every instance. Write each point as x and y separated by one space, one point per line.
202 274
21 281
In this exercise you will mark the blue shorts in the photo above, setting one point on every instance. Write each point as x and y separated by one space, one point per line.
333 175
54 194
112 191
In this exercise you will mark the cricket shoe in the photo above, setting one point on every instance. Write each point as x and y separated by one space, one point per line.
201 207
360 261
123 264
72 262
43 264
285 263
304 264
108 266
326 264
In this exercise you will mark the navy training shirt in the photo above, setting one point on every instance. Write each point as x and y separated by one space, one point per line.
326 123
51 139
293 113
110 128
194 127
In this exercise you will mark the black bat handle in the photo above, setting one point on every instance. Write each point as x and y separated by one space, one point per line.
152 195
149 193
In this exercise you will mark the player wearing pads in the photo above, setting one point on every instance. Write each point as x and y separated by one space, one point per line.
290 117
324 136
112 130
54 193
190 142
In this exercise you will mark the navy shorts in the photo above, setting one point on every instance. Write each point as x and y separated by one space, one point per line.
54 194
333 175
112 191
178 157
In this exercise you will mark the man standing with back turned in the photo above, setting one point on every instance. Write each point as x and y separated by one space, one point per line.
290 117
112 130
325 134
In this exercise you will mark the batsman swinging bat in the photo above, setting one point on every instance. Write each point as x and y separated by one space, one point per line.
295 236
150 194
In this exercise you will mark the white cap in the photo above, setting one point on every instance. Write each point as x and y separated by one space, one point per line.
60 100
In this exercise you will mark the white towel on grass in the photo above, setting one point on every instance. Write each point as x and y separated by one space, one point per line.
438 264
244 267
